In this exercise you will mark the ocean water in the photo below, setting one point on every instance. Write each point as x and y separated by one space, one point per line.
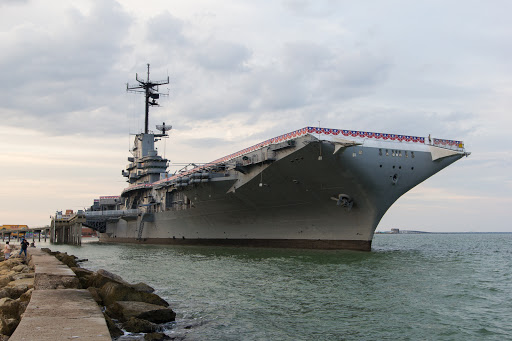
409 287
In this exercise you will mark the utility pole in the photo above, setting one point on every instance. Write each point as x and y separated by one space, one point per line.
150 89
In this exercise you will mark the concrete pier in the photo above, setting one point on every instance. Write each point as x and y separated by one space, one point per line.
67 229
56 313
18 234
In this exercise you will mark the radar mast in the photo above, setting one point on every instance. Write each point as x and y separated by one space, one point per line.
152 93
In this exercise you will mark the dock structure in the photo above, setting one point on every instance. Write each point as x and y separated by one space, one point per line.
20 233
55 313
67 229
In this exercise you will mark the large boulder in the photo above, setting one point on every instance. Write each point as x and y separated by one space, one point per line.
11 263
70 261
102 277
23 275
21 268
7 272
124 310
84 276
112 292
13 292
115 332
9 308
5 279
22 282
95 293
143 287
25 297
135 325
7 327
81 272
156 337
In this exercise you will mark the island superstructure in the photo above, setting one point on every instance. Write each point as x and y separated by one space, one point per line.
310 188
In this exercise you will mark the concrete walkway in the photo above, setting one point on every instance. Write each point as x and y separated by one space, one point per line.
59 314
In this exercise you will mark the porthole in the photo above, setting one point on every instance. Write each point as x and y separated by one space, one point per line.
399 167
354 154
412 168
393 167
360 152
400 154
395 178
380 166
387 152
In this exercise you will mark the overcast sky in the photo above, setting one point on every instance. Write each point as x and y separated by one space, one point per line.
245 71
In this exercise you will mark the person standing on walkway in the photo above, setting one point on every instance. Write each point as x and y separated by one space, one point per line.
7 251
24 245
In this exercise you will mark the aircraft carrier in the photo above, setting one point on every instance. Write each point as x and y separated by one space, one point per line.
310 188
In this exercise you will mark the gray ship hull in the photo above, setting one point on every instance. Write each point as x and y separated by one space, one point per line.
312 193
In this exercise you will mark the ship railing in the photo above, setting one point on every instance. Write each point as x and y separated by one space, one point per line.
112 213
358 135
449 144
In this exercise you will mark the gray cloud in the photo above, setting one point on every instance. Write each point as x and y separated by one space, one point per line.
221 55
311 74
73 72
53 73
305 75
319 8
166 29
13 2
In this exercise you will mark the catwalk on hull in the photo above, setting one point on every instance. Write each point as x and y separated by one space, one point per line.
310 188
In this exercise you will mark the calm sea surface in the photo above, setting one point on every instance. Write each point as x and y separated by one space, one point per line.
410 287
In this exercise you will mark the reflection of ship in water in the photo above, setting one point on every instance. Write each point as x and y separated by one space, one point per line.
310 188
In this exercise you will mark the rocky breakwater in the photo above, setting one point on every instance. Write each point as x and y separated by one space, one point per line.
128 308
16 286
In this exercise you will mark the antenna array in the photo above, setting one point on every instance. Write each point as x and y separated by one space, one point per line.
150 89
